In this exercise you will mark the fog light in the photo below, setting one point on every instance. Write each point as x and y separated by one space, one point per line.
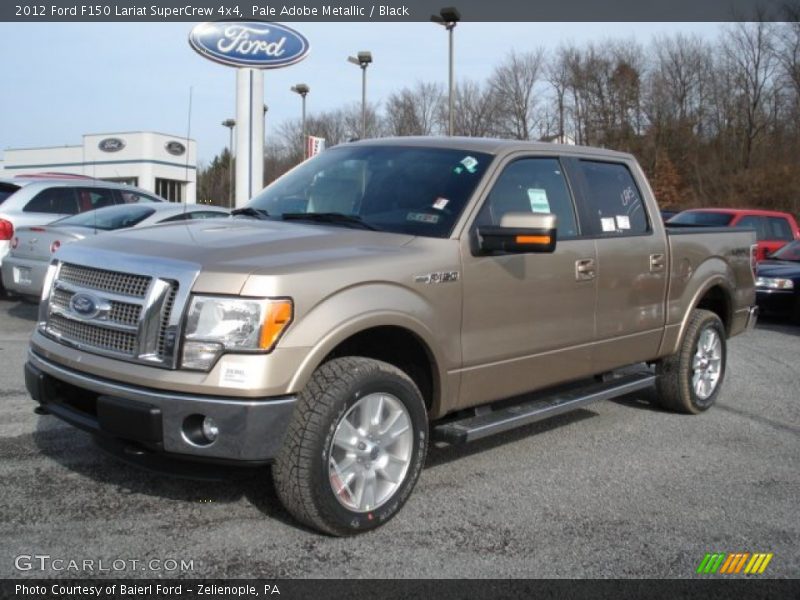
210 429
200 355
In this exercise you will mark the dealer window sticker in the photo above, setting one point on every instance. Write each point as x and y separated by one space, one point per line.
468 163
441 203
538 199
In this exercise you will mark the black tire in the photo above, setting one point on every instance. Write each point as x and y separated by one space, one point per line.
674 389
301 470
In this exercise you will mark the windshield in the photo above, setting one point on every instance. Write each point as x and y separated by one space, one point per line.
109 218
401 189
703 219
6 189
788 252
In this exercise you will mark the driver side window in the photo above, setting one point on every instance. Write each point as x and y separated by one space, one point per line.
531 185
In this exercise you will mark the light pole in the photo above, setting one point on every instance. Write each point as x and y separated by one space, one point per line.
230 124
362 59
302 89
448 18
266 109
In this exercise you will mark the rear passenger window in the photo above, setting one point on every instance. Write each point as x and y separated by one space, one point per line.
55 200
614 203
757 223
91 198
779 229
531 185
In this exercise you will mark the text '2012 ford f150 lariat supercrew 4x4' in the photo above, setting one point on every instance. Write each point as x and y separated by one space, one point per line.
381 295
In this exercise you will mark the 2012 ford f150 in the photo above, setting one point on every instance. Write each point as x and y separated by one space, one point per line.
382 295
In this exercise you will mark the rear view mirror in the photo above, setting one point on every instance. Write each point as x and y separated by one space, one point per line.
519 233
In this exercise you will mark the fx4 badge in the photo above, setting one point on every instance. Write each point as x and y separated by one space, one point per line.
441 277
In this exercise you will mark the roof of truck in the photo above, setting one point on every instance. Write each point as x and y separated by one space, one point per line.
492 145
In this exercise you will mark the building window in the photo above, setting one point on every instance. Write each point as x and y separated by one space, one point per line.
170 189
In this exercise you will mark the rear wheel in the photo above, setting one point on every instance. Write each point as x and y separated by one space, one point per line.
689 381
355 447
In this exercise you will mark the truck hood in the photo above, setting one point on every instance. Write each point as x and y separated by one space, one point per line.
230 250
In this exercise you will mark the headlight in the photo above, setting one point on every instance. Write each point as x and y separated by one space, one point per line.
216 325
774 283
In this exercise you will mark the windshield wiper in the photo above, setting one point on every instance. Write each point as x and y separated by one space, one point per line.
330 217
258 213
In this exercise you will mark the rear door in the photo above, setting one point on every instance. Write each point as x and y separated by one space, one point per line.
528 319
631 261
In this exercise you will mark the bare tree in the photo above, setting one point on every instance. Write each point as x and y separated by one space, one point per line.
414 111
513 84
749 55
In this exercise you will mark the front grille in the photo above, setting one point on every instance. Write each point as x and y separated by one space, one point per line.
121 312
99 337
141 329
106 281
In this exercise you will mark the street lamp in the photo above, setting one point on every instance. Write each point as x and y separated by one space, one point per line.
448 18
362 59
302 89
230 124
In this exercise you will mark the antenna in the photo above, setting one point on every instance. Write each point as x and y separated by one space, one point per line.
188 134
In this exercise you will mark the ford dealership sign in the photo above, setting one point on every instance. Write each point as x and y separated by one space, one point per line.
253 44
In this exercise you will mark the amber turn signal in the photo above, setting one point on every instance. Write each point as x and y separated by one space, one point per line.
533 239
278 316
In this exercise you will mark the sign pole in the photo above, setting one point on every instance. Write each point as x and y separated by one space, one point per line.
249 134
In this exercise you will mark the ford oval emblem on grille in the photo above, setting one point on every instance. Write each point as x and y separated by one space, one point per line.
84 305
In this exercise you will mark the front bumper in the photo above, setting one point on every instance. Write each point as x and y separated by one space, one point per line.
250 431
780 302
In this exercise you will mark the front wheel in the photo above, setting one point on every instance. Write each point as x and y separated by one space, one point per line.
689 381
355 447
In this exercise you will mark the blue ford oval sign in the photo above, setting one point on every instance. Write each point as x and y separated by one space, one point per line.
254 44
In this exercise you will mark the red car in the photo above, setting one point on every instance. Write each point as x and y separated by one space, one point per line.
774 229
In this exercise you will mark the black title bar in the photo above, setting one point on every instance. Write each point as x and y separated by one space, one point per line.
400 10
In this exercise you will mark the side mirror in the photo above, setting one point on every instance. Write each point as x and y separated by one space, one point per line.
519 233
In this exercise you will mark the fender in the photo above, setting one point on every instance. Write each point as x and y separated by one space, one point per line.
711 275
355 309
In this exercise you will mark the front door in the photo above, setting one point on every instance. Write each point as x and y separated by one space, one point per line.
528 319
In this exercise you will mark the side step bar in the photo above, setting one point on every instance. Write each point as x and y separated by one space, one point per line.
542 406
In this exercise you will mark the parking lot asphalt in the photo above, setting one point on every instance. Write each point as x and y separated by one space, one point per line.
621 489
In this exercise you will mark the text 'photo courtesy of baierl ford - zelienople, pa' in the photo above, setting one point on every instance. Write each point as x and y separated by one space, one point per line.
399 299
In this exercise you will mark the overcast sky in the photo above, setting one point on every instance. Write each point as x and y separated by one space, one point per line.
60 81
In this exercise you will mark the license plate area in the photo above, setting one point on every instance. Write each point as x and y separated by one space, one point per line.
22 275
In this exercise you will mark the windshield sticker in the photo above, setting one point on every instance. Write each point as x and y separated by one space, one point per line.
608 224
441 203
423 218
538 200
623 222
470 163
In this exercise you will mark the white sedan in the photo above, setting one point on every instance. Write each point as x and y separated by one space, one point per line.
24 268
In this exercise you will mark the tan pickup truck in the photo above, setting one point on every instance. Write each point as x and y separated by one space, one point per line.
381 296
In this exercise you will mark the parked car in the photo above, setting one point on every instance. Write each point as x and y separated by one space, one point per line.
666 215
32 248
29 200
381 295
778 282
773 228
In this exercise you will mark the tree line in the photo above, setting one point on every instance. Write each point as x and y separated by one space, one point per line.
713 122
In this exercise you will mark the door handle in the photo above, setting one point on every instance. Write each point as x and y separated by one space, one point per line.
584 269
656 262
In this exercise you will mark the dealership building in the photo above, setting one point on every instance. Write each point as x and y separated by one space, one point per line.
157 162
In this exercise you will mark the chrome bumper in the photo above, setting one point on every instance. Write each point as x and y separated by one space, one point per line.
250 431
